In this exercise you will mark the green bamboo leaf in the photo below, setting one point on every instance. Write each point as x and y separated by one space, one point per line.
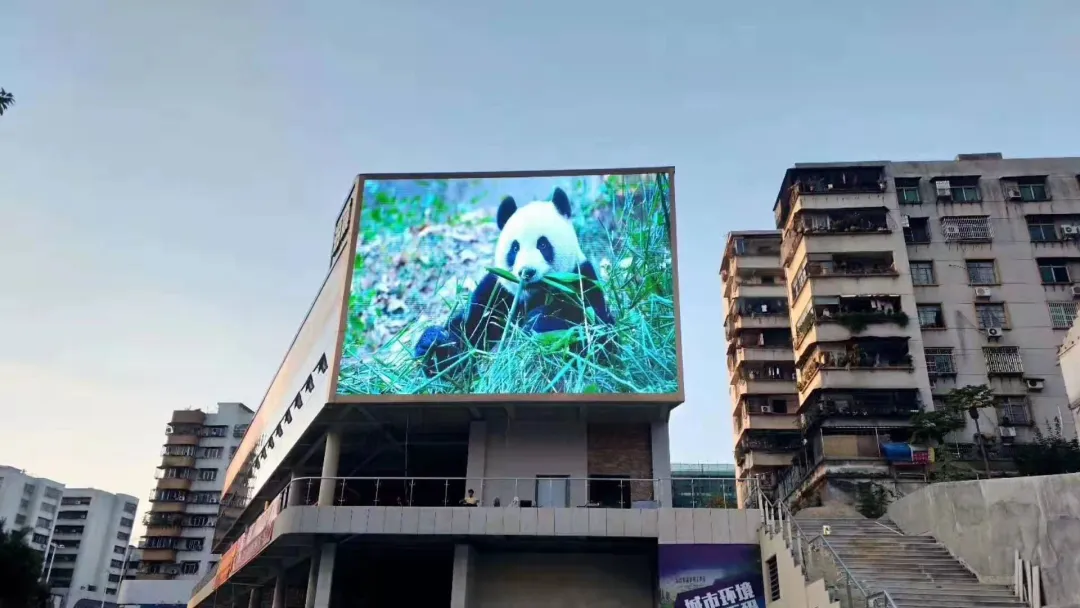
505 274
559 286
565 277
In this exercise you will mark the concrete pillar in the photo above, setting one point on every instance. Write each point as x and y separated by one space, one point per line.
298 491
477 462
255 597
325 580
312 579
464 571
661 463
279 591
331 456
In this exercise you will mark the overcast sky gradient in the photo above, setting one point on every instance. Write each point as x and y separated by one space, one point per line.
170 175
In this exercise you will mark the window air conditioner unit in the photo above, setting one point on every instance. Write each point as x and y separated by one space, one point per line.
943 188
1012 191
1007 432
983 292
994 332
950 230
1076 290
1034 384
905 221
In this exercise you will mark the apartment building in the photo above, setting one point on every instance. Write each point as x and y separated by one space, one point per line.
906 280
175 550
29 502
760 360
90 546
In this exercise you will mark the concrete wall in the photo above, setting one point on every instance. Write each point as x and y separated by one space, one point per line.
567 580
984 522
795 592
517 452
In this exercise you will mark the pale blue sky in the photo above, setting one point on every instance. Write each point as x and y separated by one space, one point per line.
170 175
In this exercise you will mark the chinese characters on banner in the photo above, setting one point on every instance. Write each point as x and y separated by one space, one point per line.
711 576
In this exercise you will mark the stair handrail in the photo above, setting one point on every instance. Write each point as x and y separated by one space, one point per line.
777 518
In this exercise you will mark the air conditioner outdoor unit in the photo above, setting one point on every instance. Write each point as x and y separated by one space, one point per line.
905 221
983 292
1007 432
1070 230
1034 384
1076 290
766 409
169 430
943 188
950 230
994 332
1012 191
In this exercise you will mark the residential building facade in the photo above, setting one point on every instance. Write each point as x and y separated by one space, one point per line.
906 280
29 502
176 548
91 546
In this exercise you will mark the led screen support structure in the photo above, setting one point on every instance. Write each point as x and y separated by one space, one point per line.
513 288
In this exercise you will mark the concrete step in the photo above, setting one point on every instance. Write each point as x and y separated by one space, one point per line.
893 551
930 574
953 601
898 560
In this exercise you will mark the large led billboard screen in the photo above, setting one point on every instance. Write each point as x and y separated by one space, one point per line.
519 286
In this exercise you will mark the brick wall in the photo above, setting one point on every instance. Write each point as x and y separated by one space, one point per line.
622 449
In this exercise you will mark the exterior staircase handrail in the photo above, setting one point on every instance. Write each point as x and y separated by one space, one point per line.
778 520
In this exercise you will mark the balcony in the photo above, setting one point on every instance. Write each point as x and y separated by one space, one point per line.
182 439
766 449
860 223
844 366
763 354
179 462
158 555
766 415
738 323
757 287
835 319
870 408
831 190
170 531
757 379
174 483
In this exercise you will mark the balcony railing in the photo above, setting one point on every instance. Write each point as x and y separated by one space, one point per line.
856 321
859 361
859 409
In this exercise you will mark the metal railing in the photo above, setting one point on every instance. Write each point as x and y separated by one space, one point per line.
1027 581
817 559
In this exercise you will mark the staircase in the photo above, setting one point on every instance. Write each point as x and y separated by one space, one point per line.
916 571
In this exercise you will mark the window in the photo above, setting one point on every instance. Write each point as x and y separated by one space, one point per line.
961 189
130 508
1013 411
48 507
1003 360
118 550
966 228
69 501
20 520
28 489
193 544
114 578
1062 314
53 493
40 539
214 431
110 591
991 314
207 474
116 563
189 567
206 498
198 521
907 190
1041 229
44 523
71 515
123 536
1026 189
24 504
170 496
1054 272
126 522
233 450
931 316
773 579
917 231
68 530
981 272
922 273
939 362
91 587
208 453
